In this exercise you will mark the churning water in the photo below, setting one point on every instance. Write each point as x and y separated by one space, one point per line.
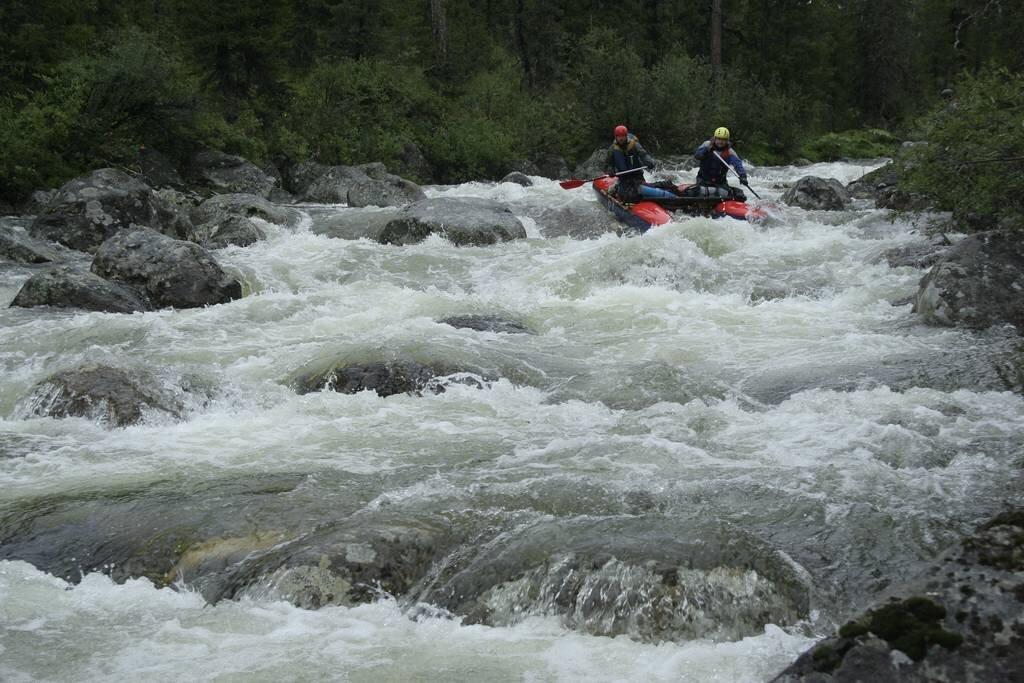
717 441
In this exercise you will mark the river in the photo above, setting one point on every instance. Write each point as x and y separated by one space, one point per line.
717 441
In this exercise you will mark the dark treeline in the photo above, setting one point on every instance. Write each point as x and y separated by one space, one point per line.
474 85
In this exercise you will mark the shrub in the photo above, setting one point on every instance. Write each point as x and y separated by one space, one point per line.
851 144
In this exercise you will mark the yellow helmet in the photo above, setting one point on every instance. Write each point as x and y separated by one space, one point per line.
722 133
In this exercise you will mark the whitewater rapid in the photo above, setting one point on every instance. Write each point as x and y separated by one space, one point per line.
769 377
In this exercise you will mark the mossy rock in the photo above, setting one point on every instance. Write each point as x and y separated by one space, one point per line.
911 626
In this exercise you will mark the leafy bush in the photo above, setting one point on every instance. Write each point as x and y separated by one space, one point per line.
851 144
974 160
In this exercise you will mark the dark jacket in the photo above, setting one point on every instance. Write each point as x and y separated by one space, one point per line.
712 171
628 156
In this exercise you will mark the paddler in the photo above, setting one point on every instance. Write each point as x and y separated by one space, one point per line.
713 175
627 154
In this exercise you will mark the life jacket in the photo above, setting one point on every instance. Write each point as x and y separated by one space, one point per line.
626 157
712 171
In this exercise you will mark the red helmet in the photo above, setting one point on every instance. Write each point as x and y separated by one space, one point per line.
621 131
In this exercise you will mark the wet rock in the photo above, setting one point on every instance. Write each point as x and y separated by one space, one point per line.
354 225
218 209
367 185
387 378
815 193
229 174
977 283
871 184
70 287
647 577
90 209
578 222
157 170
387 190
332 186
486 323
16 245
918 254
171 272
963 619
233 230
412 164
99 392
900 200
518 178
462 220
801 162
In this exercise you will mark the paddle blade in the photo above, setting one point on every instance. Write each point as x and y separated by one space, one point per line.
571 184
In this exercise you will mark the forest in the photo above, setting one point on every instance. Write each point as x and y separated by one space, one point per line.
476 87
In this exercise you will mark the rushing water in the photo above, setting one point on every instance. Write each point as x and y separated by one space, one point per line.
719 440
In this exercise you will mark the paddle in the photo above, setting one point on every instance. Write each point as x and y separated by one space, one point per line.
573 184
734 171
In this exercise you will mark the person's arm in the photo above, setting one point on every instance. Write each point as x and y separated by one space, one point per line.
702 150
645 158
737 163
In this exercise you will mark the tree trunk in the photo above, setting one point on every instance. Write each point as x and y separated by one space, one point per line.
716 37
439 30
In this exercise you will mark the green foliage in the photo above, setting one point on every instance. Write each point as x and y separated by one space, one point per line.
95 111
851 144
363 110
974 160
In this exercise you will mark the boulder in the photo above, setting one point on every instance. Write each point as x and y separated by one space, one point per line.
301 176
901 200
978 283
7 209
358 186
387 378
962 620
156 170
233 230
218 209
518 178
229 174
552 166
882 185
593 166
37 202
412 164
486 323
815 193
918 254
171 272
99 392
16 245
578 222
69 287
801 162
524 166
354 225
88 210
462 220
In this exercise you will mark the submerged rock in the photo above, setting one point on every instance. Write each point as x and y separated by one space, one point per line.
486 323
69 287
90 209
171 272
354 225
462 220
577 222
518 178
963 619
919 254
387 378
815 193
978 283
99 392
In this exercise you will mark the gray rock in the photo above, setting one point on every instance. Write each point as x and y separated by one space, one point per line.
355 224
389 190
801 162
88 210
69 287
593 166
229 174
7 209
300 177
387 378
901 200
156 170
978 283
815 193
233 230
16 245
463 220
99 392
552 166
486 323
412 164
518 178
37 202
171 272
332 186
366 185
578 222
962 620
218 209
524 166
919 254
